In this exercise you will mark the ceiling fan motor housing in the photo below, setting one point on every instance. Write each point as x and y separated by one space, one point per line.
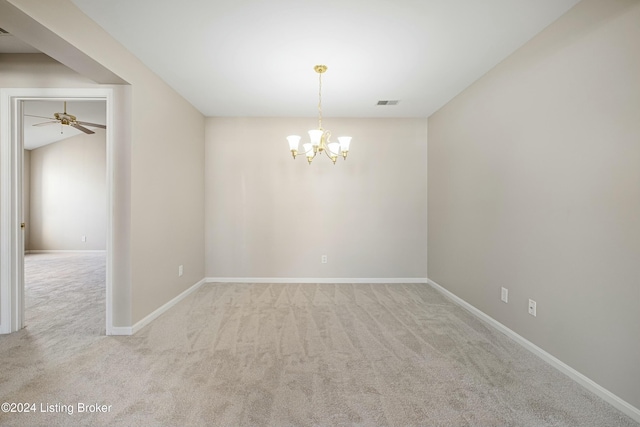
64 118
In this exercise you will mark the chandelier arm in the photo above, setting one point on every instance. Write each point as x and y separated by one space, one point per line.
304 153
333 157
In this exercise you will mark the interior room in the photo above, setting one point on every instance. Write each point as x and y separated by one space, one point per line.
64 211
467 255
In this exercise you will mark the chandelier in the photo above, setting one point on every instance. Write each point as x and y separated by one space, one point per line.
320 137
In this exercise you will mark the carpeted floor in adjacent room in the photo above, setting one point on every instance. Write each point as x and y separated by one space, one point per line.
277 355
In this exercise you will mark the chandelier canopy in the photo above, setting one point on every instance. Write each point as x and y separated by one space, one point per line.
319 138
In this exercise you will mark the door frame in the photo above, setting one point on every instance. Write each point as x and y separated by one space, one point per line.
11 182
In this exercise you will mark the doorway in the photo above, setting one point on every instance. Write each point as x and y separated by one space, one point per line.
12 304
64 211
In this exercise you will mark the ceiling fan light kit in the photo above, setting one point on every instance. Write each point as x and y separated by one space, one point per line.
319 138
68 120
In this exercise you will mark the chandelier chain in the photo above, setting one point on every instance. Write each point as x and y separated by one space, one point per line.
320 100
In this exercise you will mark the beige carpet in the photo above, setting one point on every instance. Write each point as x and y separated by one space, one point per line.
279 355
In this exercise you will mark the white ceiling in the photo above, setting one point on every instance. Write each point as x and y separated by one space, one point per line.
256 57
37 136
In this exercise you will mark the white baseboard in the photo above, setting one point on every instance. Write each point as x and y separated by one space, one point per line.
144 322
131 330
581 379
73 251
315 280
120 330
128 330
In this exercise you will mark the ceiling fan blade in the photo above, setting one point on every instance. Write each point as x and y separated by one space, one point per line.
46 123
40 117
82 128
91 124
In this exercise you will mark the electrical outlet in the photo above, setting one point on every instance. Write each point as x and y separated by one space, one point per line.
323 259
83 238
504 296
180 270
532 308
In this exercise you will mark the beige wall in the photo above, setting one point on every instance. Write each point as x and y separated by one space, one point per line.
68 194
534 185
270 216
159 178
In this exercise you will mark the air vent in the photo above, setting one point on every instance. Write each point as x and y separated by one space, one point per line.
388 102
3 31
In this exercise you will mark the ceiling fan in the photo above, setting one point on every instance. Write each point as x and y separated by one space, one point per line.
69 120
